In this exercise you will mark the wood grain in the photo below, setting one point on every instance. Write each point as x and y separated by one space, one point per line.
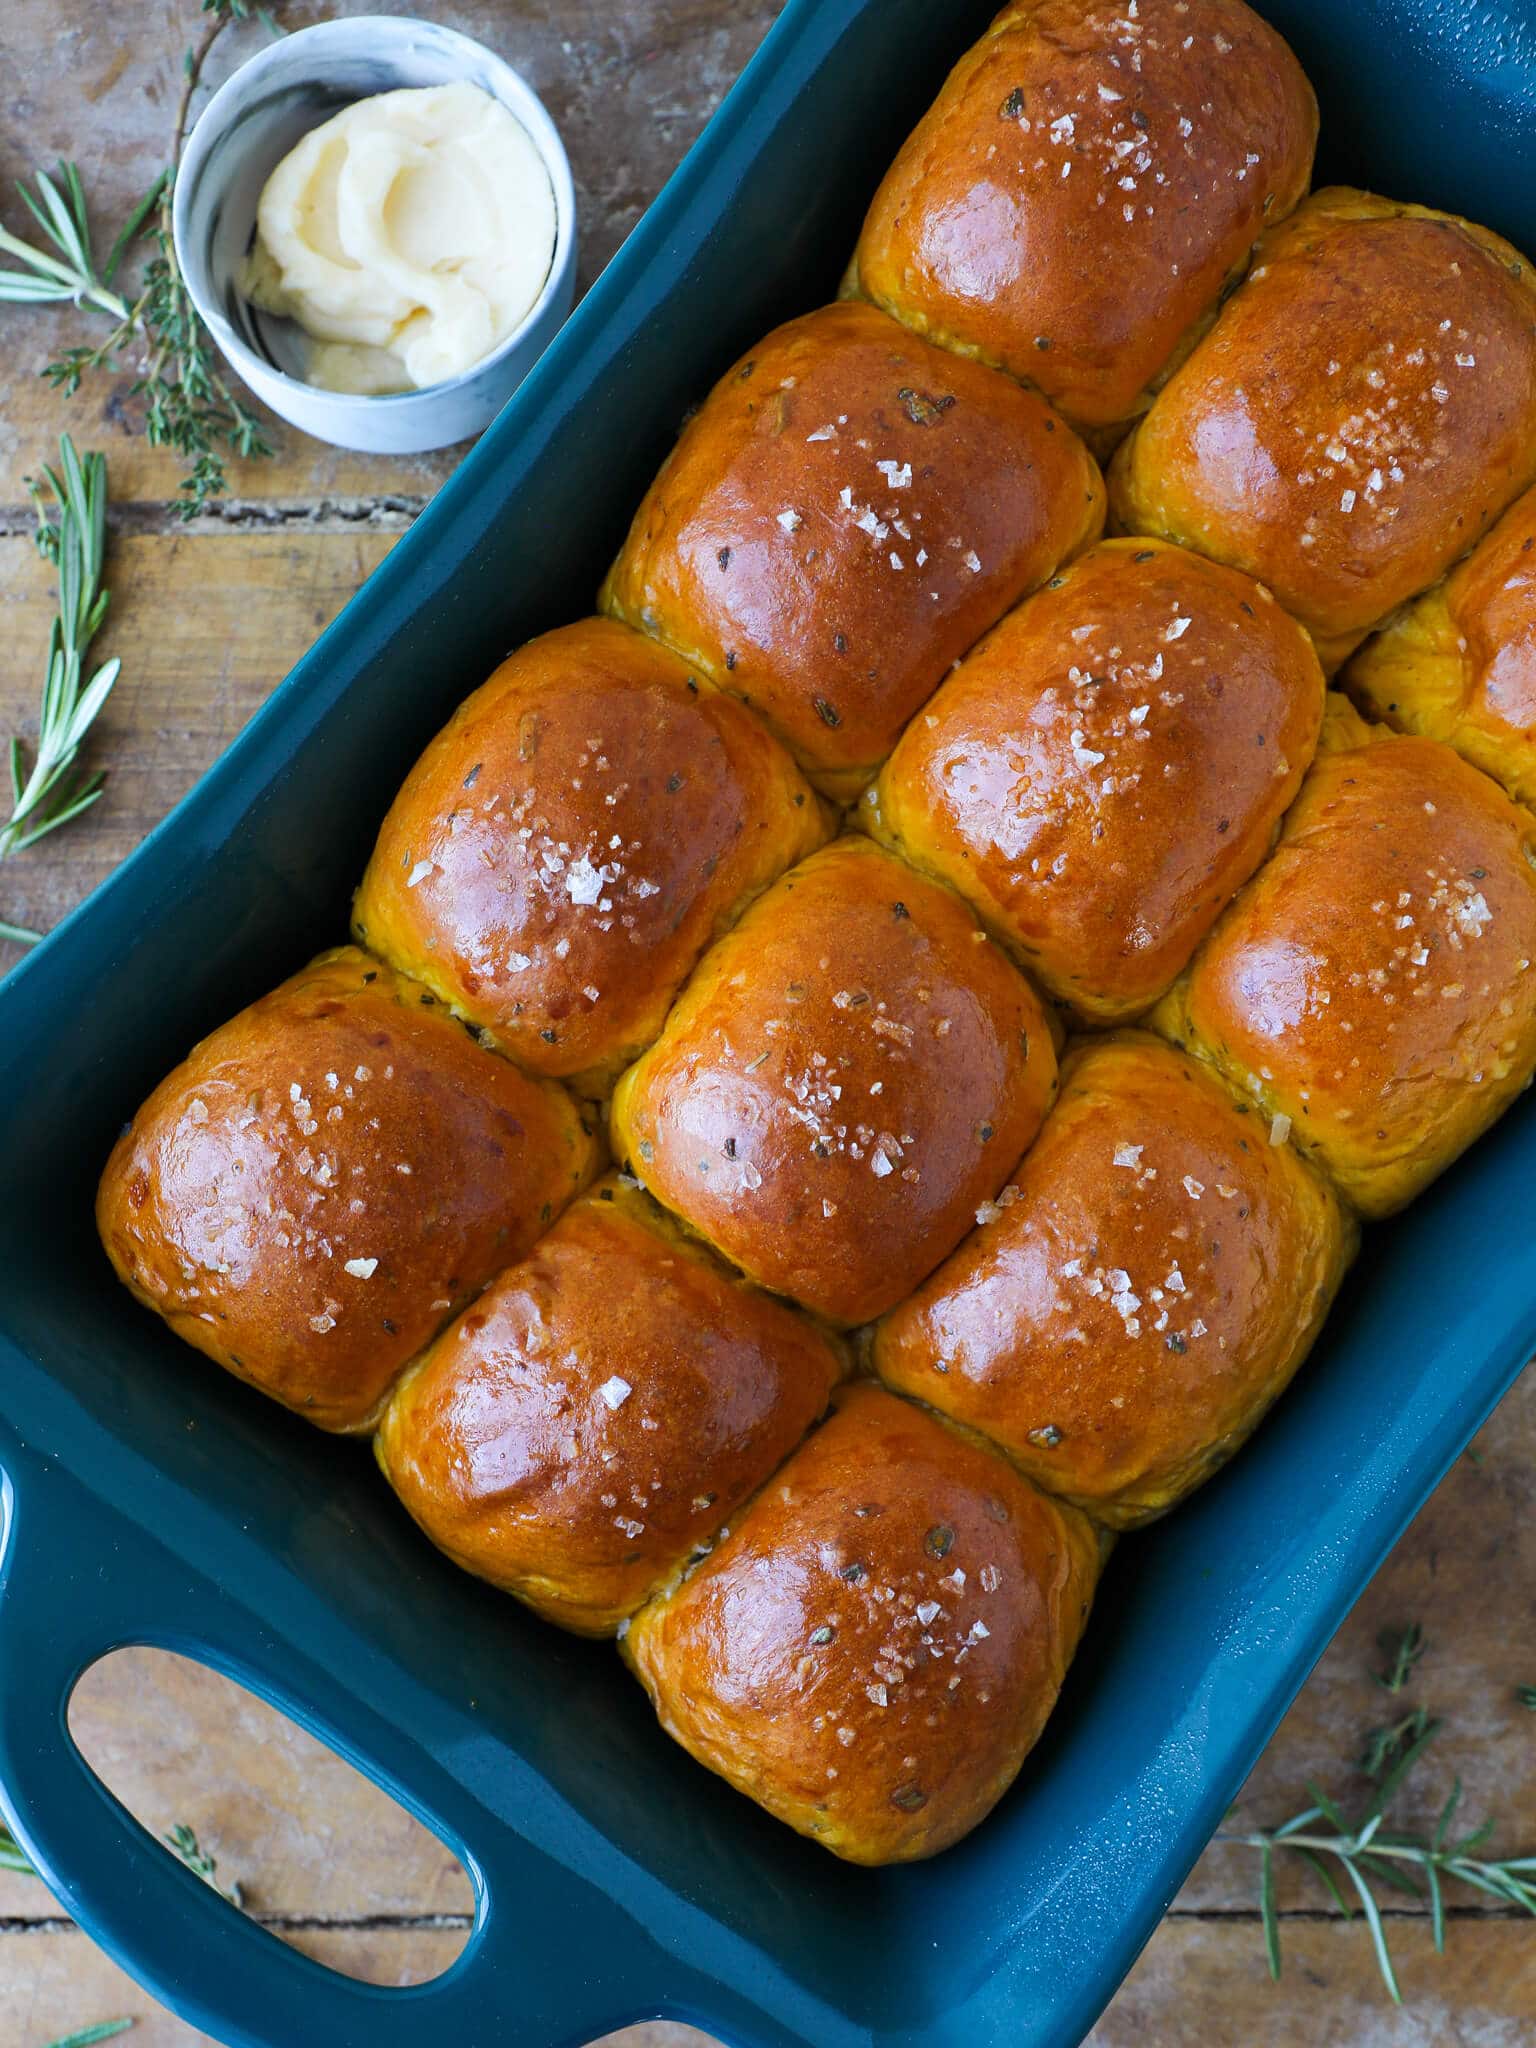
208 619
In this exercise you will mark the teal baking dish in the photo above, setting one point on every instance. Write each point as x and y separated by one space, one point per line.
147 1499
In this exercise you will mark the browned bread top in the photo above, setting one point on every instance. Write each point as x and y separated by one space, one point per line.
850 1071
1362 411
1089 178
1374 985
1139 1294
847 512
570 842
1108 766
1459 665
327 1177
873 1649
601 1410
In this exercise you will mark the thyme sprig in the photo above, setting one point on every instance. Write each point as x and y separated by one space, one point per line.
1365 1851
184 1842
190 406
71 506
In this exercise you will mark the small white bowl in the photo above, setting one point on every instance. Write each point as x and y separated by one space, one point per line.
245 131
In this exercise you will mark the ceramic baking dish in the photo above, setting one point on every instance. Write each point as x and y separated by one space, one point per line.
149 1499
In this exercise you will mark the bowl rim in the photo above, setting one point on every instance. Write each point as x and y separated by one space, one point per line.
344 36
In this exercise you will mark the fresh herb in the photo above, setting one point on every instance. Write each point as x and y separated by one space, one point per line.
1403 1650
1383 1746
189 404
1366 1852
71 506
1526 1695
186 1845
13 1856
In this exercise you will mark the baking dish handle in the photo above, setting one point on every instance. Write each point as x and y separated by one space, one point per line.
550 1959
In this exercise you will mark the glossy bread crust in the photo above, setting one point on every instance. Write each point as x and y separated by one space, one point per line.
1459 665
1360 414
874 1648
847 512
1087 182
1109 766
1140 1294
1374 986
602 1409
327 1177
850 1071
571 841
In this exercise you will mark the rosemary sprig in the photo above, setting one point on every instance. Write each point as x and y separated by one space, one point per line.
1364 1852
71 506
1403 1649
12 1855
189 404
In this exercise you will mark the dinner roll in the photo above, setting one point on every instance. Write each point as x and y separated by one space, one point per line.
1372 986
592 1420
1459 665
1126 1311
872 1650
1110 764
570 842
847 512
1085 185
1362 411
326 1178
850 1071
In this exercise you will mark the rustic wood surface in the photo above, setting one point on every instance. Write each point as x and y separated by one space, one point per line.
207 618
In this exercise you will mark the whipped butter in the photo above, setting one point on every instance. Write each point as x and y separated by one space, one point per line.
408 237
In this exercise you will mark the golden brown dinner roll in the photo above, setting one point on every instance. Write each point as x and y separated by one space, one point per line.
850 1071
1372 986
1459 665
571 841
601 1410
1362 411
874 1648
846 513
1088 180
327 1177
1126 1311
1108 766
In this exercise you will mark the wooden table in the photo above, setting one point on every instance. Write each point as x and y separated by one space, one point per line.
207 618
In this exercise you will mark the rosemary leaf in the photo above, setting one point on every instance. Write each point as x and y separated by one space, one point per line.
104 2030
13 1856
184 1842
71 506
1267 1909
1359 1854
1404 1651
189 405
1372 1913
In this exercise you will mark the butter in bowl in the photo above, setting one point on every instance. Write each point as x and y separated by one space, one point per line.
375 218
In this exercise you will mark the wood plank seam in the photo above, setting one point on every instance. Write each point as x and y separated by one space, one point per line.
386 513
